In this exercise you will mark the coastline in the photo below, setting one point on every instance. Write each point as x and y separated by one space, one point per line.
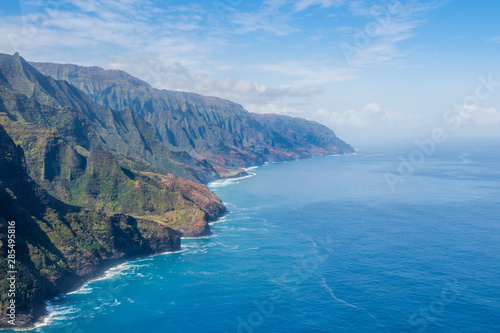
44 320
101 273
222 182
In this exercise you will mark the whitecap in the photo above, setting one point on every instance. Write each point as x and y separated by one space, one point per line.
249 249
52 313
114 272
84 289
202 237
61 313
220 220
229 181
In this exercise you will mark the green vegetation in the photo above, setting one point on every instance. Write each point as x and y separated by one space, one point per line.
83 167
91 181
98 182
58 246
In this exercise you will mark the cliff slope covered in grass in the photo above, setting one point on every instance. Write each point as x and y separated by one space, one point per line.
90 156
59 246
97 167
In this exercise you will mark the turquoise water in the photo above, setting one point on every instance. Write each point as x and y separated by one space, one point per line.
323 245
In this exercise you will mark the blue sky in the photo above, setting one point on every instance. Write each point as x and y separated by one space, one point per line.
365 68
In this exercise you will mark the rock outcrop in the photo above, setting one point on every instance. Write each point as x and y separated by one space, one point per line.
58 246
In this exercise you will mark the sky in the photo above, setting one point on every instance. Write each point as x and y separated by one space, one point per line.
367 69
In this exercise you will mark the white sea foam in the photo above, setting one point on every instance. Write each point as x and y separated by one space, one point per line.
57 313
183 249
197 248
202 237
325 285
220 220
249 249
52 310
104 305
113 272
84 289
229 247
244 229
201 273
251 229
229 181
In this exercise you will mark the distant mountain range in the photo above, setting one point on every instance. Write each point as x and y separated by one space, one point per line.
218 130
97 166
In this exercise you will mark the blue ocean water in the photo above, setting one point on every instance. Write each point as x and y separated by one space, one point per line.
324 245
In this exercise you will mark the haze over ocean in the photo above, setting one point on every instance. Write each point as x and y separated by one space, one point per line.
323 245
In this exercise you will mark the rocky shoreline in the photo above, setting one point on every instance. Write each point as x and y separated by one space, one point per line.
39 313
92 179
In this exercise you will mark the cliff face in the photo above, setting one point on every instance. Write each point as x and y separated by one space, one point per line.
216 129
59 246
93 163
86 124
90 185
97 181
306 138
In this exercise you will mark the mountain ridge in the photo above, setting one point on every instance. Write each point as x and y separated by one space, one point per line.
119 131
219 130
60 141
92 181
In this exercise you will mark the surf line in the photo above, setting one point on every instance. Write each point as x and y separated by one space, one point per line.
324 284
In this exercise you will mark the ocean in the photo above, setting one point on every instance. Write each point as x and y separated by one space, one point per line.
389 239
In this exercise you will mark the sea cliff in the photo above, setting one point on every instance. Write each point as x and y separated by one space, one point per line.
98 167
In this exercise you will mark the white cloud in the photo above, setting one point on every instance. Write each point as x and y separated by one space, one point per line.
495 39
169 49
177 77
304 4
370 115
379 40
309 73
269 18
272 108
179 47
97 27
472 114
